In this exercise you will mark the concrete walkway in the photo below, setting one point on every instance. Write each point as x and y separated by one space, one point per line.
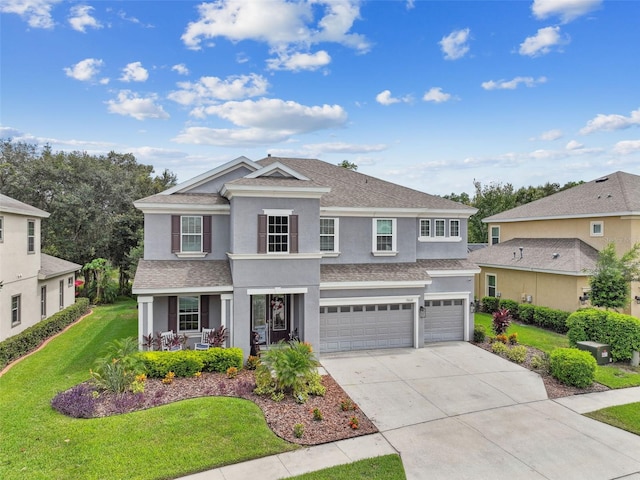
455 411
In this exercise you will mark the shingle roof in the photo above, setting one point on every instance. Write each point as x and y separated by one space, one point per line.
539 254
614 194
451 264
53 266
11 205
177 274
373 272
186 199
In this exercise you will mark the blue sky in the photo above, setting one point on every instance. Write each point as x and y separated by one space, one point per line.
428 94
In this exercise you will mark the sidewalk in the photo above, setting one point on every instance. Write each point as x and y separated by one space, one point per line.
302 461
590 402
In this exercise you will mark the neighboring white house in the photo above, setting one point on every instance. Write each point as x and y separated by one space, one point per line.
33 285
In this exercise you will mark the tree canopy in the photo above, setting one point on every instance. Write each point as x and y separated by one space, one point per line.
610 280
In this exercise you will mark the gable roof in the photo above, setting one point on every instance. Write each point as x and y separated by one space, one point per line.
567 256
611 195
176 276
11 205
51 266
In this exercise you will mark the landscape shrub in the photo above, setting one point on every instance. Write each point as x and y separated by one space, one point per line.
78 402
550 318
479 333
621 332
501 321
499 348
573 367
220 359
186 363
510 305
517 353
525 313
490 304
30 339
116 371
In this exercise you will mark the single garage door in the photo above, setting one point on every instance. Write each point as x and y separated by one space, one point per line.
361 327
444 321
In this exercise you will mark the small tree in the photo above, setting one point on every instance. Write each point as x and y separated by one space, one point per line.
348 165
610 281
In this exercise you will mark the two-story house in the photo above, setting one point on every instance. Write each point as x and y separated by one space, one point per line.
289 247
544 252
33 285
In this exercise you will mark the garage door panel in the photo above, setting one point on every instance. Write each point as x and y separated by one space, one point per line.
444 320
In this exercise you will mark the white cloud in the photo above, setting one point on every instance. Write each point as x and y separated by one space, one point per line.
9 132
611 122
181 69
455 45
130 104
513 84
551 135
299 61
625 147
542 42
385 98
210 89
436 95
134 72
567 10
85 70
279 23
37 13
80 18
225 137
342 147
574 145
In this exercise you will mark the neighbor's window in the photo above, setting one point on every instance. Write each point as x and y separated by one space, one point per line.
1 229
328 234
43 301
191 234
278 233
597 229
384 234
495 235
31 236
69 282
189 314
15 310
425 227
454 228
61 294
439 228
491 285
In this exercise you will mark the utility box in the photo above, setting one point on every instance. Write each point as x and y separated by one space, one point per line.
600 351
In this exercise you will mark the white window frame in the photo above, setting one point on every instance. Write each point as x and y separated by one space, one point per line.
43 301
335 235
427 223
592 227
31 237
495 284
16 304
492 236
188 313
184 234
1 229
375 235
436 224
273 236
453 222
70 282
61 294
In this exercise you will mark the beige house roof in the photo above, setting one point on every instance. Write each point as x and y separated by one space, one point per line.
11 205
373 272
567 256
195 275
53 266
614 194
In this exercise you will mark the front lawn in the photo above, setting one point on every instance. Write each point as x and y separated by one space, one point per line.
626 417
387 467
164 442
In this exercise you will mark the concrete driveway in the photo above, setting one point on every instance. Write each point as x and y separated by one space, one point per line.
455 411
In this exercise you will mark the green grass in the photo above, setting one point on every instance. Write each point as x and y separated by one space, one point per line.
626 417
615 377
164 442
387 467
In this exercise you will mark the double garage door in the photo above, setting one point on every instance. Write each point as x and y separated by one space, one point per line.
362 327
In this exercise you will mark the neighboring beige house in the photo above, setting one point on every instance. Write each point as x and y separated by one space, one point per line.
33 285
544 251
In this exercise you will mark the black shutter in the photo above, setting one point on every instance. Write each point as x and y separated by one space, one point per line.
293 234
204 311
175 233
173 314
262 234
206 234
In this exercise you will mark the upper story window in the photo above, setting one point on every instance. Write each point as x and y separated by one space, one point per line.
329 235
191 235
384 236
31 236
495 235
277 232
425 227
15 310
1 229
597 229
439 227
454 228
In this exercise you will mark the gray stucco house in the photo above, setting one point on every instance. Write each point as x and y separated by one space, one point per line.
299 247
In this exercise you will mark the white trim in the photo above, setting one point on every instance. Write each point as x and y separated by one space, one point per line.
330 254
182 290
374 285
230 190
375 234
277 290
451 220
274 256
384 254
453 273
558 217
394 212
182 208
440 239
336 237
536 270
279 212
191 254
274 167
435 228
466 307
593 224
486 284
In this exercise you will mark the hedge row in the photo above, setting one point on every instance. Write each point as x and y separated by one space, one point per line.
28 340
186 363
539 316
621 332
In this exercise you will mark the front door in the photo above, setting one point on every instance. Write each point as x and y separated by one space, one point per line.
270 319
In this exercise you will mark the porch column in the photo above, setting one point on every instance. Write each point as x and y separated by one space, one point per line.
226 315
145 318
